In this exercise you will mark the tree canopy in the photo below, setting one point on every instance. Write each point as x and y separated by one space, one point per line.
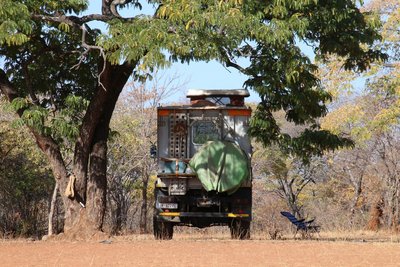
267 33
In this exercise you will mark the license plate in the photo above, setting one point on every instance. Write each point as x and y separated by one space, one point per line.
168 205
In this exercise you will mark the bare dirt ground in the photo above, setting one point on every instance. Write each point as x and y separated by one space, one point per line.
199 251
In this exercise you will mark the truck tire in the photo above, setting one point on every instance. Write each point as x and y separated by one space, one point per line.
240 229
162 230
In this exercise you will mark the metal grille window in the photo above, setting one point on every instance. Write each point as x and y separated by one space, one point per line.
178 135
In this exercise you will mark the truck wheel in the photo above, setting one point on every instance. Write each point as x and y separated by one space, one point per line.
240 229
163 230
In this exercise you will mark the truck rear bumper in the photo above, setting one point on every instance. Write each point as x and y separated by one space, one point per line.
201 219
204 214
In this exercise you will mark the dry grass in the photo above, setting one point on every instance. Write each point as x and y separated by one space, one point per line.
222 233
361 235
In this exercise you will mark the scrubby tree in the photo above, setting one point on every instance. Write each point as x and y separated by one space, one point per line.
369 114
25 182
288 177
286 174
64 77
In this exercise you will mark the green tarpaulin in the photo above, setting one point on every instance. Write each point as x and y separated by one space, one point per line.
220 166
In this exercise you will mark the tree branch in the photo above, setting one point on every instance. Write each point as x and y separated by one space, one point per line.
4 156
392 65
115 3
6 87
28 84
228 59
76 21
88 48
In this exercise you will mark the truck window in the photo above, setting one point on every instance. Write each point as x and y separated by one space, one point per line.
203 131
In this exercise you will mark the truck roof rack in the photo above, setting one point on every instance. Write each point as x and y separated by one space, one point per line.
222 97
217 92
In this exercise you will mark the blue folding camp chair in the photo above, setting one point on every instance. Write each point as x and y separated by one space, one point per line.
307 228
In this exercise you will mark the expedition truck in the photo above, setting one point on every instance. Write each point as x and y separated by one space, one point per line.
204 172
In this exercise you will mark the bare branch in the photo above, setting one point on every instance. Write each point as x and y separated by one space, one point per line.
392 65
229 60
88 48
4 156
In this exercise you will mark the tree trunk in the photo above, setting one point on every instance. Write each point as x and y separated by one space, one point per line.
357 185
376 213
92 188
289 196
97 185
51 212
397 208
117 227
143 211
